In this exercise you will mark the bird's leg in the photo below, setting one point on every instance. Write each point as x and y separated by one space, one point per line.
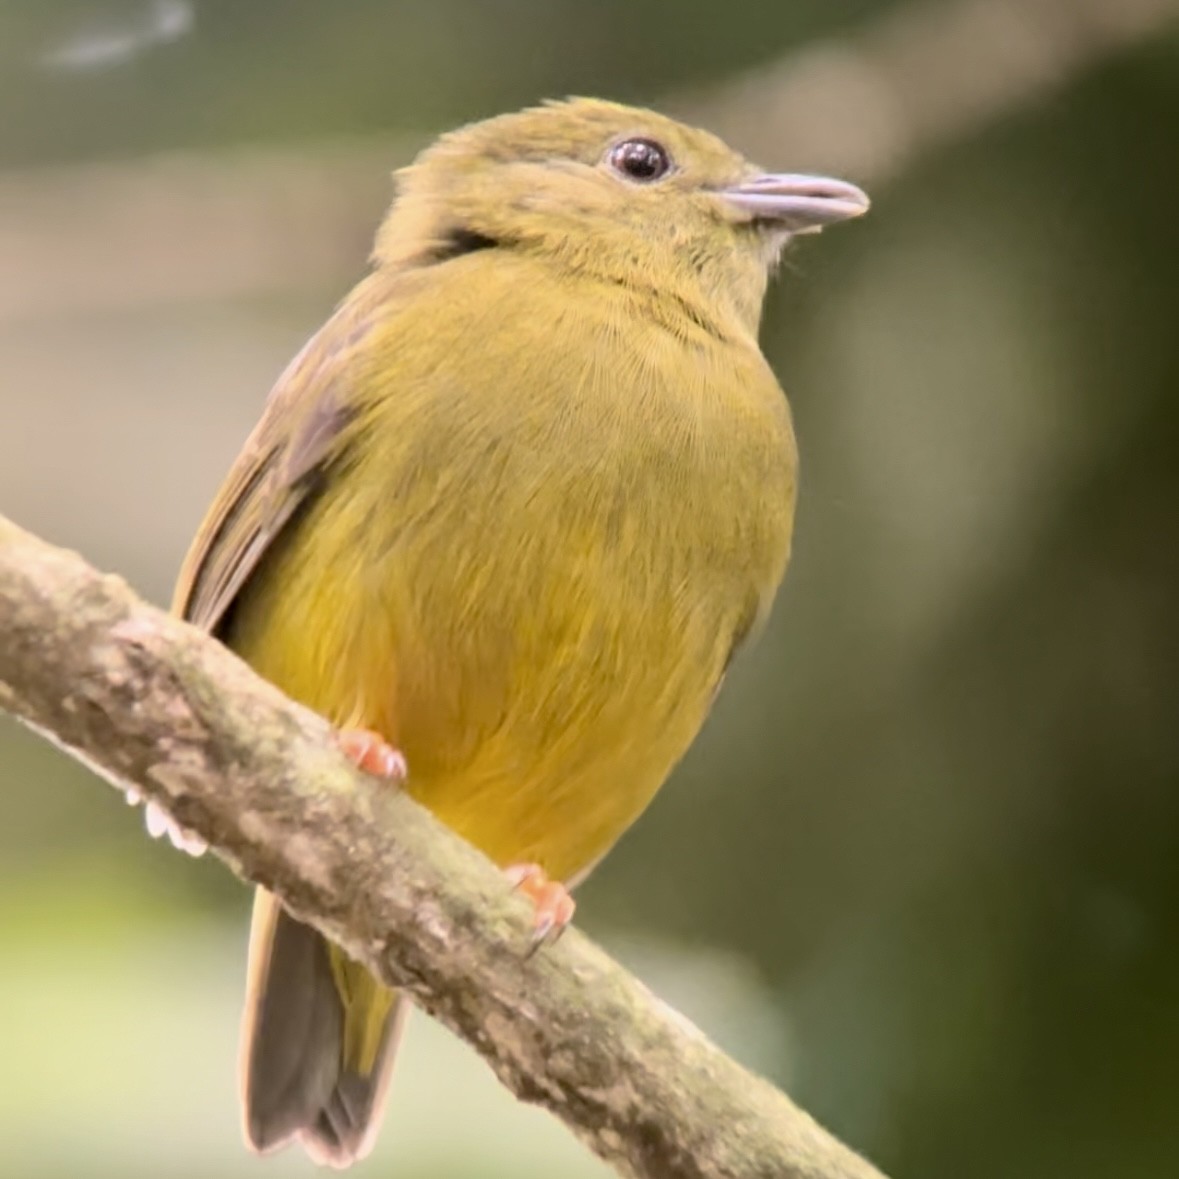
371 753
554 906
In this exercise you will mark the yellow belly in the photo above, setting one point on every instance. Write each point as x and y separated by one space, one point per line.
538 723
541 675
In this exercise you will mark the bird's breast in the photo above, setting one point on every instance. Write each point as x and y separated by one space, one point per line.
540 574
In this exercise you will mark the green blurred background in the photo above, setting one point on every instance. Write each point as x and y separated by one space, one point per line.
921 867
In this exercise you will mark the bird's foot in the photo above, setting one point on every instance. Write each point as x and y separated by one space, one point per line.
159 822
554 906
371 753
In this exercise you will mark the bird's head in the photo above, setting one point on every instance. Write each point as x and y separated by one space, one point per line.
613 191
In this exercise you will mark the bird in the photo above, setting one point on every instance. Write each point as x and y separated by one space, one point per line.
504 521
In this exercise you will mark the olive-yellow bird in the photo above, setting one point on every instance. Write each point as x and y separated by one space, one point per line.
510 512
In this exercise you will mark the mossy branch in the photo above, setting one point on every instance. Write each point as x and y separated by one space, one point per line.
147 701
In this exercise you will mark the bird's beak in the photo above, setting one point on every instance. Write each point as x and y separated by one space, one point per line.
797 204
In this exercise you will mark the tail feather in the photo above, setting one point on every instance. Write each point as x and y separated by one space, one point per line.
298 1080
347 1126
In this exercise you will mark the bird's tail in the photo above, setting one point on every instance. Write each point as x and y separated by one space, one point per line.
319 1034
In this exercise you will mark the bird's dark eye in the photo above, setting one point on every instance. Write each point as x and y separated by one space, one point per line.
643 160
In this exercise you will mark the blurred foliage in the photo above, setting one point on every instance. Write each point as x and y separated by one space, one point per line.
922 865
276 69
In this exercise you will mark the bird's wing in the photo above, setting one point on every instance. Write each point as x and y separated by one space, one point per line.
276 473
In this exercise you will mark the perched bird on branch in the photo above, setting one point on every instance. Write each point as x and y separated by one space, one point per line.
504 521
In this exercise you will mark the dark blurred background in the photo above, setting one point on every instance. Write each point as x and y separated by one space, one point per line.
921 868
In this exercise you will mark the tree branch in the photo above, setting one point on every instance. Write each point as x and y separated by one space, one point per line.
148 701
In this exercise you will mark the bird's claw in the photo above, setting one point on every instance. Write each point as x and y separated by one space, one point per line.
159 823
553 905
370 752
